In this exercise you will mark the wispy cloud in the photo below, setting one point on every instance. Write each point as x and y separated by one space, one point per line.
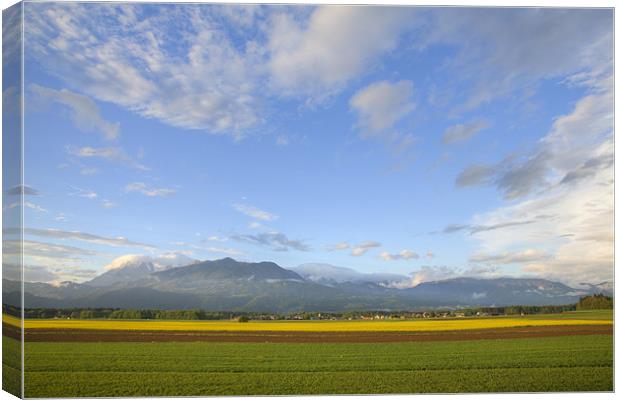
84 112
255 212
216 238
474 175
403 255
32 273
574 183
111 154
503 50
274 240
515 257
45 250
224 250
61 217
143 188
86 193
19 189
203 82
35 207
338 246
363 248
26 204
356 250
81 236
473 229
381 104
463 132
207 245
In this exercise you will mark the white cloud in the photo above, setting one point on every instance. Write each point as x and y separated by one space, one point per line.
32 273
44 250
224 250
217 239
403 255
429 273
571 212
381 104
319 56
505 49
339 246
26 204
510 257
175 64
61 217
565 152
363 248
111 154
84 112
274 240
463 132
81 236
205 245
86 193
17 190
475 175
161 262
144 189
255 212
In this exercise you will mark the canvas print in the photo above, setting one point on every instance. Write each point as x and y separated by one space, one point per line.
229 199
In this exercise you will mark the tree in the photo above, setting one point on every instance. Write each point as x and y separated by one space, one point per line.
595 302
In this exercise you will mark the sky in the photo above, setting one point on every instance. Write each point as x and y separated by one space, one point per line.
428 142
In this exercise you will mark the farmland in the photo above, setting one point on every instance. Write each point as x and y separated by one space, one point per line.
313 326
197 358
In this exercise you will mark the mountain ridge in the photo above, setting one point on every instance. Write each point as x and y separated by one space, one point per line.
230 285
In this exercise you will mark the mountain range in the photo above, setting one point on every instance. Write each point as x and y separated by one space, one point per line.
230 285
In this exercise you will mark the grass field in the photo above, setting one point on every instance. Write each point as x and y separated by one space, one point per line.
149 369
563 352
11 366
601 315
314 326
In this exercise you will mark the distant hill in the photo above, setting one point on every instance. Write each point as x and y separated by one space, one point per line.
498 292
227 268
132 268
605 288
332 275
230 285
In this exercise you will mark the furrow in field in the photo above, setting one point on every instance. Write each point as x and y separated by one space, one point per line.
79 335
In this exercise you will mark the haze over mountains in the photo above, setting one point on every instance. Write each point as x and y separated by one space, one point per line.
226 284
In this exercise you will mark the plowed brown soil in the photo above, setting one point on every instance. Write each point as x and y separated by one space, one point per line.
83 335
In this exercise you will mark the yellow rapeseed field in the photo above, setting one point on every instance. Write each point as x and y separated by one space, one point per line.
306 326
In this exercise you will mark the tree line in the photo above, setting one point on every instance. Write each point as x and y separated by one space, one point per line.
597 301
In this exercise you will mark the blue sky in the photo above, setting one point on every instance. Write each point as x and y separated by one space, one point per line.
426 142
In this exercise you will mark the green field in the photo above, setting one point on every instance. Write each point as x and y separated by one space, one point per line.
569 363
576 315
11 366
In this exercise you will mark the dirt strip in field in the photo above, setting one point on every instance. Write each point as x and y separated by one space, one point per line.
11 331
82 335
